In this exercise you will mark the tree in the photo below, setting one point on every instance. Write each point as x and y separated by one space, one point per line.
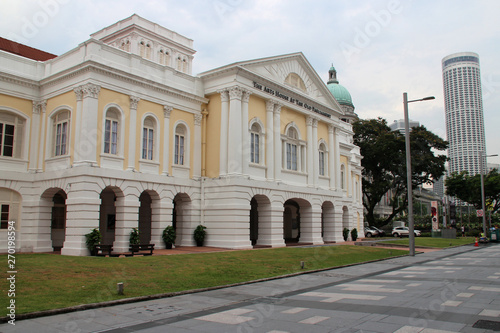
384 163
468 189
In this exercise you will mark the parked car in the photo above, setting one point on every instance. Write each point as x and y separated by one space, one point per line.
381 233
403 231
370 232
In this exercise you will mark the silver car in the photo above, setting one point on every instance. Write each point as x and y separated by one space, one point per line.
403 231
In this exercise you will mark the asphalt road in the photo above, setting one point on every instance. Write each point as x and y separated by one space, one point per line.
452 290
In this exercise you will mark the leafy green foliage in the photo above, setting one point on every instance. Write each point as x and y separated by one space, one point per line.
345 234
199 234
468 189
93 238
384 163
169 235
354 234
134 237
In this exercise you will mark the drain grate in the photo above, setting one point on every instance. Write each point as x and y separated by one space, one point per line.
488 324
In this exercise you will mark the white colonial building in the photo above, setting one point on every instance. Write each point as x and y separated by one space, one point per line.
117 133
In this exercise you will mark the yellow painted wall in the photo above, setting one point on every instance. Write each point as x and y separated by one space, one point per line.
175 116
288 116
23 105
213 136
323 132
257 108
66 99
106 97
144 107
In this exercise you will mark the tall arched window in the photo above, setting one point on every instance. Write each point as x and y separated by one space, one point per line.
179 144
292 149
322 159
342 176
11 135
111 131
255 142
61 126
148 138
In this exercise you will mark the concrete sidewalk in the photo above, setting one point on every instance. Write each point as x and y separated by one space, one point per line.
449 290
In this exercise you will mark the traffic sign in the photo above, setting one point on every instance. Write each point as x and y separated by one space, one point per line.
479 213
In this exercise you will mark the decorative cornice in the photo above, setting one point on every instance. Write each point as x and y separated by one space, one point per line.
309 121
39 106
315 123
197 119
277 108
134 100
270 105
167 109
330 129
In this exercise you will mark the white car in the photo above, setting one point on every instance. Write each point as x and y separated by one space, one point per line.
403 231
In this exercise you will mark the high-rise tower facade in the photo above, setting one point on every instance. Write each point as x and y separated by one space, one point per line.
464 111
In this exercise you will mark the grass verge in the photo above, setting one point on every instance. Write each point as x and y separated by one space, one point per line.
433 242
47 281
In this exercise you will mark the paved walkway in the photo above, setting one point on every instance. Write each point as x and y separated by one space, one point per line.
452 290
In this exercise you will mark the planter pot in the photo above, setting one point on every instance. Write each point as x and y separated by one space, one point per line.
168 245
199 243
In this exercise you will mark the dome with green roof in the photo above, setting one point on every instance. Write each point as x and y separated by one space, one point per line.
338 91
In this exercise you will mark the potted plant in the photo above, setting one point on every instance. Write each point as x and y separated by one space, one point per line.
345 233
168 236
199 235
93 238
134 237
354 234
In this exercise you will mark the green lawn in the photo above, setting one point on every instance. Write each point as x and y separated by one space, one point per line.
47 281
433 242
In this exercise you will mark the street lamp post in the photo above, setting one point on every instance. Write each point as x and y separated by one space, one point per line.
411 231
481 171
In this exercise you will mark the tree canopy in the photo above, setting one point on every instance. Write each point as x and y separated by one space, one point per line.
468 189
384 163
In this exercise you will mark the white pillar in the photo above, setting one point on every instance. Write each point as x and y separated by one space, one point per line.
338 225
127 217
309 162
271 225
85 149
315 153
331 157
132 133
224 118
234 154
244 132
277 141
166 138
337 160
269 140
39 108
161 210
197 145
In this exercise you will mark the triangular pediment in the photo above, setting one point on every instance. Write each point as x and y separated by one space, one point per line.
290 71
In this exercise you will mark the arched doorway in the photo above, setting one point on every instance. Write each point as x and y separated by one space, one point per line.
345 219
58 220
328 229
181 219
145 217
291 221
254 221
107 216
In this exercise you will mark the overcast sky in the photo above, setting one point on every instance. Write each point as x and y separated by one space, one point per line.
380 48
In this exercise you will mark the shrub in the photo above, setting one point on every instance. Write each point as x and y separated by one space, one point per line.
345 233
354 234
134 237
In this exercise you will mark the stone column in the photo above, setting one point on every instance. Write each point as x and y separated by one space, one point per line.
315 152
269 140
82 215
132 133
331 157
197 146
309 162
330 225
127 217
39 108
234 153
310 225
161 218
277 141
337 160
224 95
271 225
338 225
244 132
166 138
85 150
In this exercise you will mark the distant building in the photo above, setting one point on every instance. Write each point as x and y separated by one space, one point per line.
463 111
399 125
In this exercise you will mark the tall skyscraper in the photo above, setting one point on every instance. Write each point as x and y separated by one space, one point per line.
464 111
